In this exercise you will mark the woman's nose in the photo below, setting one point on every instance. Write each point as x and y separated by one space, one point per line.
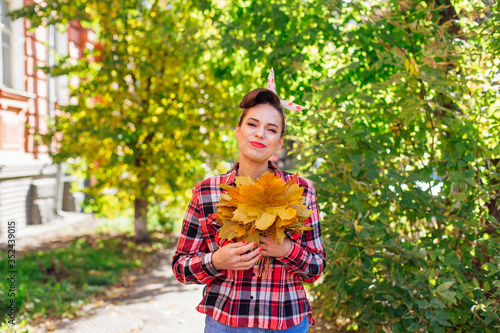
259 132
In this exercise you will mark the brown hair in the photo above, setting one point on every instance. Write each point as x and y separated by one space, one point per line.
261 96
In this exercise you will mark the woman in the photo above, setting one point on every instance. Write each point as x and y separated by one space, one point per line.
235 299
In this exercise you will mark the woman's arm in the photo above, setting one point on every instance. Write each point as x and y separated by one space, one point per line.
192 261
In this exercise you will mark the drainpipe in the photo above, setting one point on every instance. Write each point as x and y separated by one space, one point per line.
51 101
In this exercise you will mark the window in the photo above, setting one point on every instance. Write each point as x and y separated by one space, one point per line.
12 54
6 56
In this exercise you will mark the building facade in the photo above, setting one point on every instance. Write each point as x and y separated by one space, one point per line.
31 186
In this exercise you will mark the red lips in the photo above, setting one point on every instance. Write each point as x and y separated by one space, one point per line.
257 144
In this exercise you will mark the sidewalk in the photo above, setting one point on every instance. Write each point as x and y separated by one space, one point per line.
33 236
156 303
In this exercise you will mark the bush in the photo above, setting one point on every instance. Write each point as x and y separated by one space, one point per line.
406 161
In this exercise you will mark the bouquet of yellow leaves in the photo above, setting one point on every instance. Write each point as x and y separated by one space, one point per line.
266 206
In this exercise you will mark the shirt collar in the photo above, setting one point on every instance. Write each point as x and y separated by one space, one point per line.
231 175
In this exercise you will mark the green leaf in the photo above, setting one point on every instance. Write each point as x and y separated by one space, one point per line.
448 296
445 286
423 304
413 327
355 170
442 317
437 303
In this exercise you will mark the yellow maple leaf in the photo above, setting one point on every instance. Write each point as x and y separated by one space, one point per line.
241 216
287 213
268 206
265 221
250 210
357 227
231 230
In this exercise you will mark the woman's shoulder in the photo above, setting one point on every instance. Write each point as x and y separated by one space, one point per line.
211 183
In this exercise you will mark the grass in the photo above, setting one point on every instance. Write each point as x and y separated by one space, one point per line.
85 268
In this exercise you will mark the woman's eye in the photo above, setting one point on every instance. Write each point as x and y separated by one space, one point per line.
252 124
273 130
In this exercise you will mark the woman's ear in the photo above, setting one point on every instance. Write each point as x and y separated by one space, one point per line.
281 142
237 132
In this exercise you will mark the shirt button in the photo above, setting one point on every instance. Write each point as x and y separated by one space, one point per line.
251 297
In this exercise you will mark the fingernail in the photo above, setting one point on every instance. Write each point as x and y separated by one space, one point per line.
244 242
254 244
260 249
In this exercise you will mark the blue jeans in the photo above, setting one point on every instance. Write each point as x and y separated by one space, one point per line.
213 326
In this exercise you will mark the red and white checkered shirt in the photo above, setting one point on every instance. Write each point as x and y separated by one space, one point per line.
240 298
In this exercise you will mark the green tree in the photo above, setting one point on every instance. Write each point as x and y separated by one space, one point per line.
408 129
147 110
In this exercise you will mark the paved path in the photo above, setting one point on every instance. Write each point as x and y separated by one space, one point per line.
156 303
33 237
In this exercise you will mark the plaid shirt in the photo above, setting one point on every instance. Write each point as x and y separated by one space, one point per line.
240 298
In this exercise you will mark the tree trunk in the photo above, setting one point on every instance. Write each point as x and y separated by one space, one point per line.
141 229
448 13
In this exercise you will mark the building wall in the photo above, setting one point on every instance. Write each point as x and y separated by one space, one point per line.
31 186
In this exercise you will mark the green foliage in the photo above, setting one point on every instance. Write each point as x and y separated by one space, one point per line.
88 266
145 110
161 218
408 127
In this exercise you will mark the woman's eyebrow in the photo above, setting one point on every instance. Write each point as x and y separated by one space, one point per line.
269 124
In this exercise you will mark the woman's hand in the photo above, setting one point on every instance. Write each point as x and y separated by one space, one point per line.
271 248
234 256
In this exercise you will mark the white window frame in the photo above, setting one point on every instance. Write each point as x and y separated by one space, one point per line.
17 52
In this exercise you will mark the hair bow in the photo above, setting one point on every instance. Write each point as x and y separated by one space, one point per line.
271 85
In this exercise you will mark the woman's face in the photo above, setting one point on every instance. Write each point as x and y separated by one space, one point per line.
259 135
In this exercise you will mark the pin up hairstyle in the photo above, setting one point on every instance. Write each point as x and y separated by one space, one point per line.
262 96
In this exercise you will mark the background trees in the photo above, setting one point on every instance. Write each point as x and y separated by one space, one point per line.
146 110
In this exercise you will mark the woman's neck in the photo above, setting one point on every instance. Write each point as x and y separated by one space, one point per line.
252 170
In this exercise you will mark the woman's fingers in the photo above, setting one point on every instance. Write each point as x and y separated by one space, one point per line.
250 255
241 247
247 247
271 248
248 260
236 256
246 255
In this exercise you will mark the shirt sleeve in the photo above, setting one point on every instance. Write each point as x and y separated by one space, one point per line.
192 261
307 260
